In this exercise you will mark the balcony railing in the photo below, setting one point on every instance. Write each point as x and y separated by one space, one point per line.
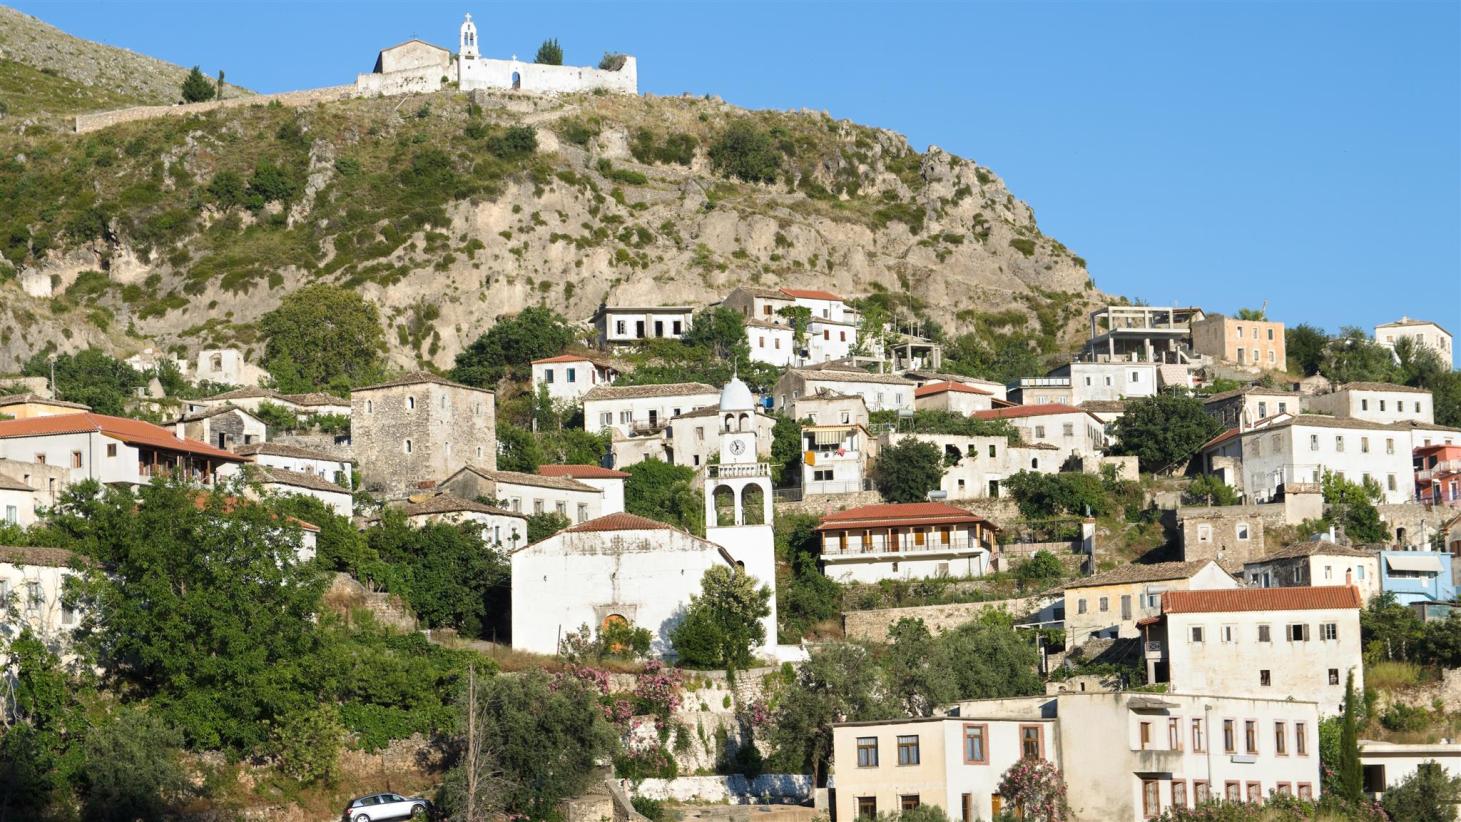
738 470
1441 468
906 545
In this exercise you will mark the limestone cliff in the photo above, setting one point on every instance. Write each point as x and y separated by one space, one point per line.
183 231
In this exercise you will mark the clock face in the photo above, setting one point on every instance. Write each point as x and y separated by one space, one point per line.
737 447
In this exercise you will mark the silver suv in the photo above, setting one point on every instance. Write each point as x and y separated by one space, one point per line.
378 807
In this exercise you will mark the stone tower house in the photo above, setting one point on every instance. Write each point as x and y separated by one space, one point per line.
413 432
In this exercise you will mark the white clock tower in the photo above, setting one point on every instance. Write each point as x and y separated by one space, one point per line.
738 495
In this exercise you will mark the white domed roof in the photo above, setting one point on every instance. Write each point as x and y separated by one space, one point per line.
735 396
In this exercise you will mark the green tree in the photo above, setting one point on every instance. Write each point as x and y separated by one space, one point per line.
1002 358
1305 345
916 677
322 337
1039 571
1352 505
722 625
517 448
805 595
747 152
786 451
665 493
451 577
203 606
840 682
1354 357
133 769
990 659
218 86
549 53
1350 776
511 344
1163 431
721 331
1391 631
196 87
1043 496
91 377
546 737
1252 314
1428 795
907 471
32 772
544 525
1209 489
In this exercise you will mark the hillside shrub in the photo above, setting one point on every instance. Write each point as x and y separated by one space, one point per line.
549 53
746 152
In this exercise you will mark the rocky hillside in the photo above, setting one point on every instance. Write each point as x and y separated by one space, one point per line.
184 231
45 71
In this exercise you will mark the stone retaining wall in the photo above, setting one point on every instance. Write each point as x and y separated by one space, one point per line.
103 119
872 626
776 788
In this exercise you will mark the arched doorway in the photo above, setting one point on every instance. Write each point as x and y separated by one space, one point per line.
753 505
613 632
517 81
725 505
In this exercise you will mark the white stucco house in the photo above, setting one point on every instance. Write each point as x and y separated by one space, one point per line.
227 366
1108 380
322 464
567 377
923 376
17 502
633 410
528 494
33 580
1424 332
282 481
607 480
619 567
1317 562
920 540
1301 449
827 407
880 392
1072 431
500 528
624 326
835 458
1375 402
112 450
1276 643
771 343
1387 764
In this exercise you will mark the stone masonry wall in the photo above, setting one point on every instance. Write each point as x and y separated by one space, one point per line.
308 97
442 426
872 626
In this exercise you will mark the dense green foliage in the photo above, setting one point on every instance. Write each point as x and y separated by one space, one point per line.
804 595
1428 795
322 338
907 471
1352 505
448 574
1209 489
90 377
1394 632
665 493
1163 431
196 88
722 625
934 421
714 350
549 53
1039 571
747 152
786 452
1349 773
1042 496
1305 347
511 344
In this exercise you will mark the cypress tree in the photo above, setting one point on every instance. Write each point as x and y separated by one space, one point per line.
1351 774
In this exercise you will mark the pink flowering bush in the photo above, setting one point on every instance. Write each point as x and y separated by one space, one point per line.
657 689
1036 788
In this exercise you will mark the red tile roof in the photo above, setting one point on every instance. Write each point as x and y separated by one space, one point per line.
581 472
620 522
810 294
1017 411
899 515
1261 599
940 387
589 358
1220 438
132 432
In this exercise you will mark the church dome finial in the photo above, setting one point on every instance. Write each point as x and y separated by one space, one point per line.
736 396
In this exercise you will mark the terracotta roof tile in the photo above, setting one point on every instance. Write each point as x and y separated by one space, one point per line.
898 515
632 392
577 471
519 478
1381 386
47 557
8 483
810 294
298 479
620 522
1221 438
1019 411
418 378
279 449
132 432
1137 572
1316 547
1261 599
942 387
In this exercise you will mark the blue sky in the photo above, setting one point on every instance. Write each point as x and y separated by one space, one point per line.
1208 153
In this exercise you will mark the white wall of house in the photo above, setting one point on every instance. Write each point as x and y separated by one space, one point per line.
834 467
578 506
18 507
630 325
1072 433
338 501
829 340
921 552
640 413
612 489
84 455
37 596
958 402
333 470
1230 658
502 530
573 579
1395 762
1096 381
1301 453
1401 405
877 394
1318 569
772 344
1428 334
568 381
832 409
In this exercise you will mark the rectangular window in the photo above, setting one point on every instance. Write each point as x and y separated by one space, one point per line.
1306 791
1298 632
1230 736
1265 679
1032 742
1197 736
908 750
1069 429
1227 634
867 752
1313 442
1284 789
1151 799
1389 445
1039 432
75 459
1233 791
1339 443
1280 738
1333 676
1179 793
967 803
1250 736
976 751
606 418
1390 482
583 512
537 506
908 801
33 597
867 807
111 449
1174 734
548 376
1105 604
1080 606
1197 633
1364 445
1255 792
1200 792
1364 405
1126 606
1146 735
573 375
1329 631
1301 738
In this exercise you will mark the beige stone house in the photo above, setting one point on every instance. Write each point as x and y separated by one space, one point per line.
414 431
1111 604
1248 343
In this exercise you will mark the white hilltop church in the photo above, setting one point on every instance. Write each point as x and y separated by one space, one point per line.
626 568
416 67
